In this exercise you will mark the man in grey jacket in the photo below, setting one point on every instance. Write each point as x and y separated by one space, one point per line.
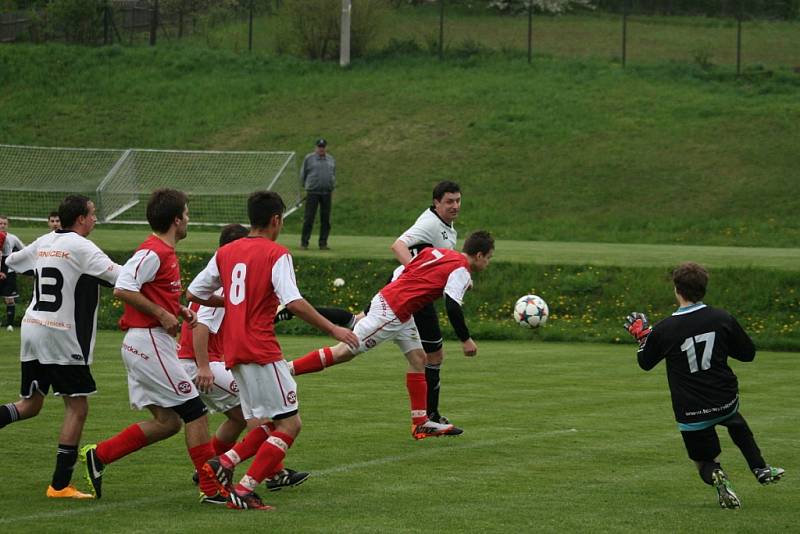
318 177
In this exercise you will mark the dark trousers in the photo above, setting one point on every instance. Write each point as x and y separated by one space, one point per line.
324 202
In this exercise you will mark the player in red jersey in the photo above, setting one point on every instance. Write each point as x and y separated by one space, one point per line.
201 352
150 287
256 274
432 273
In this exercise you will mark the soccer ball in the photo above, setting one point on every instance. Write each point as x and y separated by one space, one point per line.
531 311
339 282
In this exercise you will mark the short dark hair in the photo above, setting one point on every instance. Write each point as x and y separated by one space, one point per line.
480 241
232 232
690 281
262 206
445 186
72 207
53 214
164 206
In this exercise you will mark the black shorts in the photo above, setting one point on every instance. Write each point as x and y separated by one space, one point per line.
8 287
427 321
67 380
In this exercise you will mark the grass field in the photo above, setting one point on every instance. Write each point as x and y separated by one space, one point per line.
559 437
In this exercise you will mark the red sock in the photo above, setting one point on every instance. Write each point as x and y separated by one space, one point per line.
418 394
220 447
270 454
129 440
246 448
314 361
200 455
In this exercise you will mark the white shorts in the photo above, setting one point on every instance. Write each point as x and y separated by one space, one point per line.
224 393
381 324
155 375
266 390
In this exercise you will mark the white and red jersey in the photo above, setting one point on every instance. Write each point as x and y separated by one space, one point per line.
61 321
212 319
431 274
154 272
256 274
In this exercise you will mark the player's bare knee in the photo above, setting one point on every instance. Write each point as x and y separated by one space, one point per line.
435 358
290 424
31 407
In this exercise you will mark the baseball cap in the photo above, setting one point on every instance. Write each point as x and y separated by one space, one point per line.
321 142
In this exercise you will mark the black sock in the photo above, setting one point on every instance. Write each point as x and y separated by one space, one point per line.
65 462
8 414
742 436
705 471
337 316
432 378
11 310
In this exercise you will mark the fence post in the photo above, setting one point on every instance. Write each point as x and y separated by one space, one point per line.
441 30
739 16
625 33
154 23
105 23
250 29
530 30
344 38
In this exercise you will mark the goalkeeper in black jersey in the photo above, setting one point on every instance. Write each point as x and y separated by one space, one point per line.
696 342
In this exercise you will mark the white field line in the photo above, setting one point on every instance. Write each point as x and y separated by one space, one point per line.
89 507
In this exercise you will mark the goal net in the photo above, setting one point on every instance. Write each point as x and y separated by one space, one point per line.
34 180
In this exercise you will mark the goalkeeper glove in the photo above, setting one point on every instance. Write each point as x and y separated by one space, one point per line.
636 324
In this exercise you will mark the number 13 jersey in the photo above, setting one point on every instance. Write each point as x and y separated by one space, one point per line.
60 323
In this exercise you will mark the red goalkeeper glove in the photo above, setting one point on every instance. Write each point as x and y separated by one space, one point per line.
636 324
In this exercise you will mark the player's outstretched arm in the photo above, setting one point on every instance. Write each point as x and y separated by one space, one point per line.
302 309
456 317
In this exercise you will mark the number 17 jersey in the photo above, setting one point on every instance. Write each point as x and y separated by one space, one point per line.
60 322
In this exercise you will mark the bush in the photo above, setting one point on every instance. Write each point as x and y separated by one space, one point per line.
315 25
587 303
79 21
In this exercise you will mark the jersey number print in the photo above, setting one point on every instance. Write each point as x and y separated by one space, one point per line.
49 289
708 350
238 274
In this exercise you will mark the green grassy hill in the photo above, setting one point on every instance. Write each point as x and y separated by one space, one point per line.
565 150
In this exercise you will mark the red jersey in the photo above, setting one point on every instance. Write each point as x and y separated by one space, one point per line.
426 278
153 271
186 343
255 274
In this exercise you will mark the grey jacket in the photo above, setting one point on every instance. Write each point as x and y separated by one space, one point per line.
318 175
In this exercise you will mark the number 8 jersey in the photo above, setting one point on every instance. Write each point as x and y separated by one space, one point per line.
60 323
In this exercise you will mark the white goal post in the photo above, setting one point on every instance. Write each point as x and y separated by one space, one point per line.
34 180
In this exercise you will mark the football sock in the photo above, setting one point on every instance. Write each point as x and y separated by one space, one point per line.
247 448
269 455
417 392
8 414
11 310
129 440
220 447
337 316
432 379
706 469
66 457
200 454
314 361
742 436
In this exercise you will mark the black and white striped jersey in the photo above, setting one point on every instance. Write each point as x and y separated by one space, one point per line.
60 322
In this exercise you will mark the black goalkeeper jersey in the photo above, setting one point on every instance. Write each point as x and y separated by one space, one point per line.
696 342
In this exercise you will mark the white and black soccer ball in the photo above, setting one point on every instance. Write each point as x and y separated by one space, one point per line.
531 311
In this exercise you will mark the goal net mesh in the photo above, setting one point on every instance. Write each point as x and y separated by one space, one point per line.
34 180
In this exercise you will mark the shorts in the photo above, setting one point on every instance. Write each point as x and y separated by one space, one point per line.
381 324
430 333
266 391
703 445
66 380
155 375
224 393
8 287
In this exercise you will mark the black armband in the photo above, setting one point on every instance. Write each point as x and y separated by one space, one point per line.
456 316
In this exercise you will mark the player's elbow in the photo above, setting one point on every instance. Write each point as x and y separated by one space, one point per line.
191 297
